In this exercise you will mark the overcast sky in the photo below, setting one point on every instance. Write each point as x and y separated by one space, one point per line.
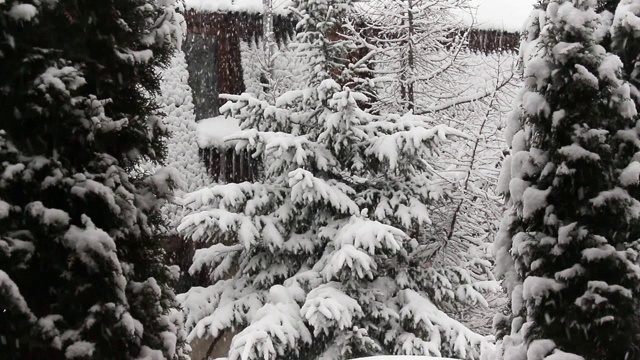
508 15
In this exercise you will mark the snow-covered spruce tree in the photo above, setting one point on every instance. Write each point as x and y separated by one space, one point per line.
81 269
567 246
312 261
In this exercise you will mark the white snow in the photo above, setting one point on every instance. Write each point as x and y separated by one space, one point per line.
329 307
583 74
135 57
558 116
47 216
564 233
94 247
278 320
577 20
387 147
609 67
521 164
538 349
64 79
11 293
537 72
622 96
517 302
618 195
420 310
227 302
570 273
626 16
212 131
249 6
594 254
517 187
402 357
533 200
24 12
519 141
576 152
171 29
12 170
367 235
562 51
561 355
147 353
631 174
535 287
535 104
4 209
502 187
306 188
80 349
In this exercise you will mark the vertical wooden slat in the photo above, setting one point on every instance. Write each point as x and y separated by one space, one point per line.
236 158
214 167
228 171
240 167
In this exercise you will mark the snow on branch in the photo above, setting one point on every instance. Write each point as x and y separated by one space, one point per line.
12 299
389 147
306 188
423 314
327 308
275 327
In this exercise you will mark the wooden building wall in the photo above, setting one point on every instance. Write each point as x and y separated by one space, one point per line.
213 46
491 41
230 166
214 60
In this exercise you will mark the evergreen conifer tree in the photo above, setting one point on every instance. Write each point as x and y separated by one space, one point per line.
81 268
567 246
624 38
313 261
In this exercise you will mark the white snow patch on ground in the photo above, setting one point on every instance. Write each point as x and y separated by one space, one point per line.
401 357
211 132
